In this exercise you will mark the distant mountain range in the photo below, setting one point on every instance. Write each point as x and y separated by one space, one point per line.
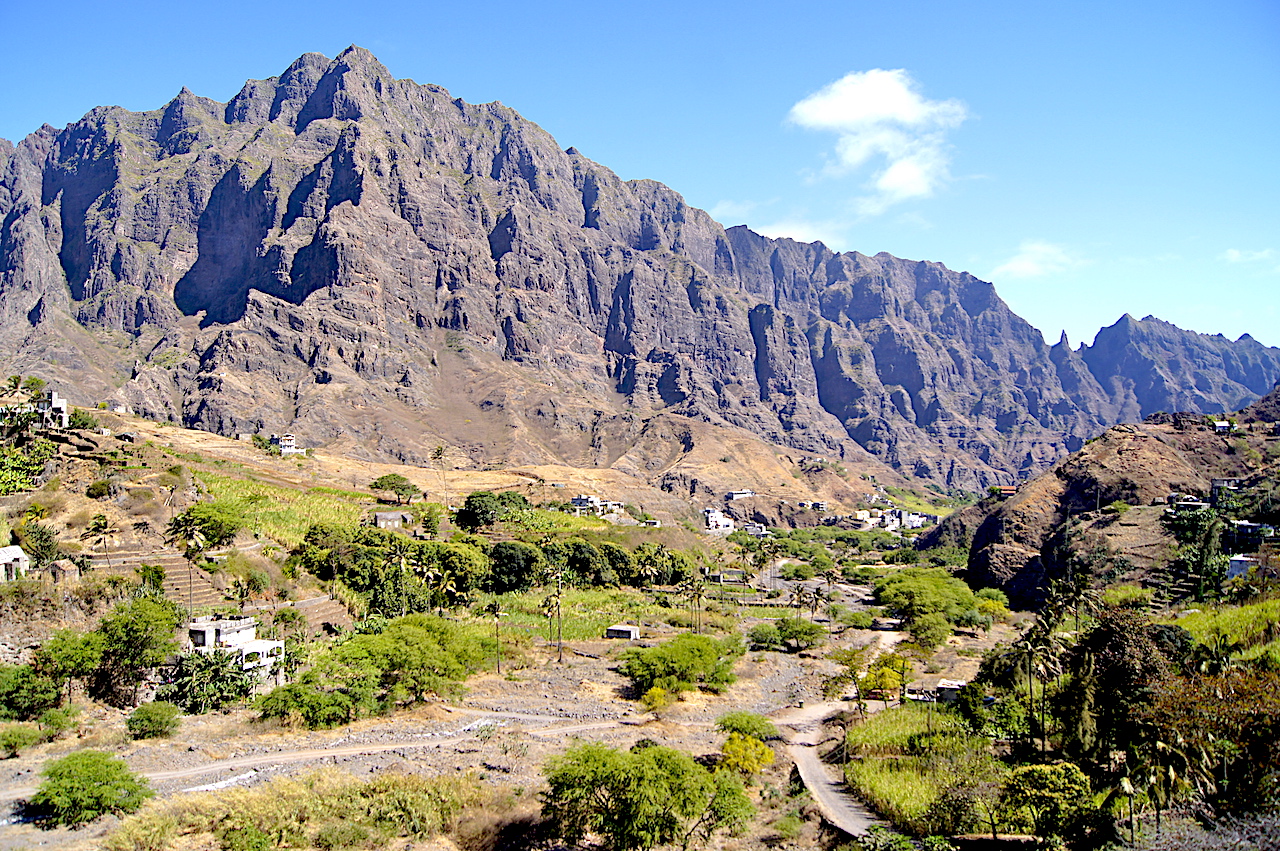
364 260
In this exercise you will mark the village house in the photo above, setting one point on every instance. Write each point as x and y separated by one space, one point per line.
756 530
622 630
53 410
717 522
236 635
287 444
14 563
392 519
734 495
1240 565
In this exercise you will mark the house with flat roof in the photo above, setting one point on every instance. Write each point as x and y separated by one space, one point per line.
238 636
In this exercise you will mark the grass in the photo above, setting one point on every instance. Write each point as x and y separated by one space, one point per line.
1253 625
285 514
326 809
585 611
908 757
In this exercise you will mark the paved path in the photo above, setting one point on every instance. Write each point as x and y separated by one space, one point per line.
803 733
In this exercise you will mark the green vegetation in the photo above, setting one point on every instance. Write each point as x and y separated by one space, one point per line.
327 810
642 798
685 662
922 769
153 720
207 682
400 662
397 484
747 724
285 514
21 465
84 785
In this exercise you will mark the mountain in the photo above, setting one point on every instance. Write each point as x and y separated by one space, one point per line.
370 262
1100 509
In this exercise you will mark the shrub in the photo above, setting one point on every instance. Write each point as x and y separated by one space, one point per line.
746 754
98 489
798 634
764 636
656 699
15 738
747 724
683 663
24 694
82 786
152 720
54 722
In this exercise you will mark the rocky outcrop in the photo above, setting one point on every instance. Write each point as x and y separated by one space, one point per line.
366 260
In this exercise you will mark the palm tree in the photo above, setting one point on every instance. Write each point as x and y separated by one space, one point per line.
494 609
694 589
186 532
100 530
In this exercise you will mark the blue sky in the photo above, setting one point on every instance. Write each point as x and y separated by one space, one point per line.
1089 158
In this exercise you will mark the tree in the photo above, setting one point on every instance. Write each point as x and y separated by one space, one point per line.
136 637
84 785
513 567
397 484
798 634
1055 797
207 682
682 663
100 530
481 508
69 655
638 799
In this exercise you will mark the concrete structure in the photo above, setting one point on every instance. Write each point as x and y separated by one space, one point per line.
744 494
756 530
238 635
717 521
53 410
1240 565
288 444
623 630
949 690
392 519
14 563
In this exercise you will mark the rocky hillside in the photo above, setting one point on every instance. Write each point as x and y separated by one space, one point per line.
367 261
1100 509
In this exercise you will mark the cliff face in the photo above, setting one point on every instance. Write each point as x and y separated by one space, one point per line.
367 260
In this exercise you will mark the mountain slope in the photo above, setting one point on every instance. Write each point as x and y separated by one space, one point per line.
362 259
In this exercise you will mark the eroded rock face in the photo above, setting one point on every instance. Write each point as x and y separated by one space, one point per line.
362 259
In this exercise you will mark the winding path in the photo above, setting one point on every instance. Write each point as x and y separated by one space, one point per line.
803 733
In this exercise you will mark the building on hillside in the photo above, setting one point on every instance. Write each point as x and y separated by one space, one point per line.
624 631
949 690
287 444
756 530
587 502
653 524
53 410
742 494
392 519
717 522
236 635
14 563
1223 426
64 570
1240 565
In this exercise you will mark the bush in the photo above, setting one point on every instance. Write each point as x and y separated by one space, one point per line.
98 489
683 663
656 699
15 738
747 724
152 720
84 785
746 754
24 694
764 636
54 722
799 634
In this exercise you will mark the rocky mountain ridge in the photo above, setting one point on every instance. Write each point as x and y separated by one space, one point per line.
365 260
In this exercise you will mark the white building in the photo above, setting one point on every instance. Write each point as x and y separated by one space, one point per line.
744 494
14 563
53 409
288 444
717 521
1240 565
235 635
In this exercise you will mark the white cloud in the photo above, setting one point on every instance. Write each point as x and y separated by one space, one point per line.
881 117
1034 259
830 234
1235 255
732 212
